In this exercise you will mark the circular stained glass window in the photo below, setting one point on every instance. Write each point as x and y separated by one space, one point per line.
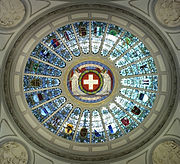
90 82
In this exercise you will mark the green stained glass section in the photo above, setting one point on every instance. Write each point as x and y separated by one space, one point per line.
112 35
126 41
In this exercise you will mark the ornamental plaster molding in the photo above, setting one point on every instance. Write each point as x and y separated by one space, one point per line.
168 12
167 152
11 13
13 152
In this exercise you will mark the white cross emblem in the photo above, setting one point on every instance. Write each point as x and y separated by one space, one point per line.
91 82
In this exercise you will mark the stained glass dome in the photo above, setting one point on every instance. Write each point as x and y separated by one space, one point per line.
90 81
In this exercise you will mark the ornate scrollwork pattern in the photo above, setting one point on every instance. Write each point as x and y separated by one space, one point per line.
11 12
168 12
166 153
13 152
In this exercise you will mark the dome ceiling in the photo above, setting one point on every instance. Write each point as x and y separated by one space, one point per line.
95 82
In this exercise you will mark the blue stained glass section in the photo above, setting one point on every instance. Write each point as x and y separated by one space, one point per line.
129 106
35 98
124 44
133 55
83 132
42 53
98 133
44 111
97 33
54 42
68 36
112 35
110 129
143 97
70 125
111 126
146 66
119 115
55 122
36 82
36 67
145 82
82 32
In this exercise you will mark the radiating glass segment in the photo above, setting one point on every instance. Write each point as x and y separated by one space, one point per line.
145 82
125 121
69 127
44 111
134 110
55 122
143 97
132 55
126 41
111 126
68 36
146 66
112 35
98 133
36 67
83 132
54 42
97 33
41 52
82 32
35 98
36 82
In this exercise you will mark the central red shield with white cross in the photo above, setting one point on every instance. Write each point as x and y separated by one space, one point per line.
90 81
